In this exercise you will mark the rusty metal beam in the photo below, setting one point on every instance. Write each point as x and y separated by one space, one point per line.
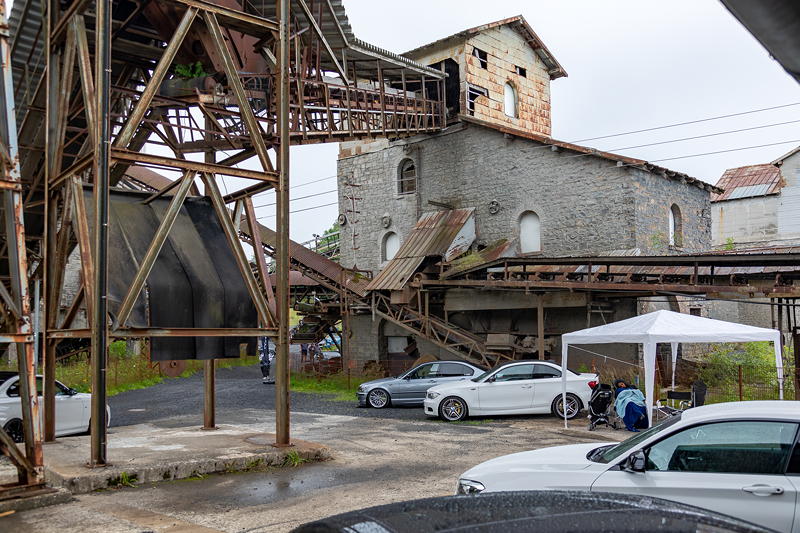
164 63
258 252
196 166
132 333
256 134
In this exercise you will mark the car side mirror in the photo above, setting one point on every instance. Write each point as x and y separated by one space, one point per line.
72 392
635 462
491 379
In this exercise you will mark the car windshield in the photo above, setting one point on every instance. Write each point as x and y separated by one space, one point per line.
607 454
484 375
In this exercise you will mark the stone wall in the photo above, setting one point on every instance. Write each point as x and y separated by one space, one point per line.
586 204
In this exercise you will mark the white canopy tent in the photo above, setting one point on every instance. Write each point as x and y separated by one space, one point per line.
666 327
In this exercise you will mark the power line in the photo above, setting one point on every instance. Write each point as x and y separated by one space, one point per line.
654 128
301 197
726 132
723 151
301 210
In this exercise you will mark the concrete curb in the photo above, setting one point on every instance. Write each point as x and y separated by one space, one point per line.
51 497
178 468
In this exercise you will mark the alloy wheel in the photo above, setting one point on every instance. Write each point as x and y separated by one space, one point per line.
453 409
378 398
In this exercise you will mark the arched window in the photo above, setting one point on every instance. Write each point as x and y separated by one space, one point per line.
407 177
389 246
530 233
510 100
675 226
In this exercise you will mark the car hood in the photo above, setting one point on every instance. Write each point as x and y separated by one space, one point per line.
369 384
558 458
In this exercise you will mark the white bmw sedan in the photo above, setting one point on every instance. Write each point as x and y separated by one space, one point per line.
519 387
72 408
741 459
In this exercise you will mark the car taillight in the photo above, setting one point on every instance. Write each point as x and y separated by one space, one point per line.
592 384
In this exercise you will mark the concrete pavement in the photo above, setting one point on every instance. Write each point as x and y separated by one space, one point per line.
375 461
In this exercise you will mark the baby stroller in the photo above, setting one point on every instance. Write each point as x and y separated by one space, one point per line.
601 407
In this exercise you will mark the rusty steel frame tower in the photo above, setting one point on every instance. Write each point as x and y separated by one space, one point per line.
98 93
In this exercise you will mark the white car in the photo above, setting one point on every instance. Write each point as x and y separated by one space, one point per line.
741 459
520 387
72 408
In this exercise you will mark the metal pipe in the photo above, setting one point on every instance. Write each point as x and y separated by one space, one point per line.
209 394
540 324
209 367
102 172
282 437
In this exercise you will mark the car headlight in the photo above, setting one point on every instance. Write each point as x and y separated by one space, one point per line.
361 388
433 395
467 486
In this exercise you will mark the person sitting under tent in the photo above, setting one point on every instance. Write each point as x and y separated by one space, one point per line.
630 406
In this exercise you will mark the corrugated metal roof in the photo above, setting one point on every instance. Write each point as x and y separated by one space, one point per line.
432 236
749 181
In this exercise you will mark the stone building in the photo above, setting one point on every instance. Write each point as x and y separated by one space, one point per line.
538 195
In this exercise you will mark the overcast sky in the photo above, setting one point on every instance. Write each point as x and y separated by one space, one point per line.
631 64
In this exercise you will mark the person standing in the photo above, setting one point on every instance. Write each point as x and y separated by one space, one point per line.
266 353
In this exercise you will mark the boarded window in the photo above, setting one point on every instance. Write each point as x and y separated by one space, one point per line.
390 245
482 58
530 238
675 226
521 71
510 100
407 177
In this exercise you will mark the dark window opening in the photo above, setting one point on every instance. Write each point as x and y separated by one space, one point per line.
452 85
407 177
521 71
473 93
482 58
695 311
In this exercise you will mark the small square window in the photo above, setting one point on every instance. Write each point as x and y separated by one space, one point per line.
696 311
482 57
522 72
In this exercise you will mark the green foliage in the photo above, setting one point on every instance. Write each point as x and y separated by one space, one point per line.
730 244
658 240
124 480
720 372
190 71
294 459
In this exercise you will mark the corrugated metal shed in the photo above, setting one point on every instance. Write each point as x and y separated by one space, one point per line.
432 236
748 182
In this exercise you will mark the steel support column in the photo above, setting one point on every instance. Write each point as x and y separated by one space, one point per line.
102 171
32 471
282 436
540 325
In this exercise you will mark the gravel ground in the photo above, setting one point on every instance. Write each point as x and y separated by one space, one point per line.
238 388
379 456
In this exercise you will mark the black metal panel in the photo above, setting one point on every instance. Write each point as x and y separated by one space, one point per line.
195 281
238 307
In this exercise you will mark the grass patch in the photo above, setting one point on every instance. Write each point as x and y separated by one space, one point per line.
334 386
294 459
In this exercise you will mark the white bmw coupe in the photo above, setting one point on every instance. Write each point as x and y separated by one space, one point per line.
741 459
